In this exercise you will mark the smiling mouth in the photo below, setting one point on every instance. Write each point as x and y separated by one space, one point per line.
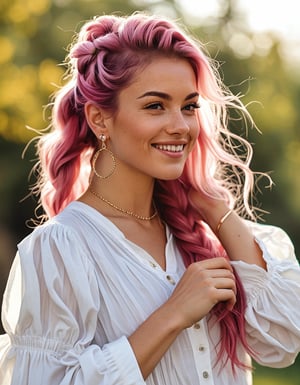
169 147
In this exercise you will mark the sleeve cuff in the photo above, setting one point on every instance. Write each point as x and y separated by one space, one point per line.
255 278
120 356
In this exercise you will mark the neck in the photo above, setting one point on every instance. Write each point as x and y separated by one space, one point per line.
123 210
135 196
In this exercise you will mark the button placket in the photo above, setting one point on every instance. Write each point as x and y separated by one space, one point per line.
170 279
201 352
197 327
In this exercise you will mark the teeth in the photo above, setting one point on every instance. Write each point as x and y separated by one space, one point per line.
170 147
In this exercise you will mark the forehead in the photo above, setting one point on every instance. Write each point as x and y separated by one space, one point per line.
170 75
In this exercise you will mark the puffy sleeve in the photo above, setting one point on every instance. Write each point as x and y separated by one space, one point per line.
50 311
273 297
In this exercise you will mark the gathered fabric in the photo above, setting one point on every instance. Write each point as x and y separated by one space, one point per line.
78 288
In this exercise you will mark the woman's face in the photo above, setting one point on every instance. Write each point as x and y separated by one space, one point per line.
155 126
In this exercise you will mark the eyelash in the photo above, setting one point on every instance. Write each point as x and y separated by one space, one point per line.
194 106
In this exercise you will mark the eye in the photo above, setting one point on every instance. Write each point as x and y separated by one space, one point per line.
191 106
154 106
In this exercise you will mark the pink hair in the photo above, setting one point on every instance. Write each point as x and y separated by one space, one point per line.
106 57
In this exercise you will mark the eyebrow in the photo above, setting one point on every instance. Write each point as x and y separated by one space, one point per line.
165 96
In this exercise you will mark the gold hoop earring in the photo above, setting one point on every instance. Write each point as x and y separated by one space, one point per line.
96 155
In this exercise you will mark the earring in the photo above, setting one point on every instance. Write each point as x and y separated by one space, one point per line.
96 155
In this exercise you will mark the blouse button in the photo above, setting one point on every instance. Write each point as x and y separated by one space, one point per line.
197 326
201 348
205 374
170 279
153 265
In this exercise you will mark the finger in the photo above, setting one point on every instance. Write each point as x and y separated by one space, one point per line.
215 263
219 273
228 296
230 304
225 283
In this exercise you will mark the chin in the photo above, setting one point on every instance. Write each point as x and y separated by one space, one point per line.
170 175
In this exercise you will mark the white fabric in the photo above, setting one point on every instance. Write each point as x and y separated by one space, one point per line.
78 288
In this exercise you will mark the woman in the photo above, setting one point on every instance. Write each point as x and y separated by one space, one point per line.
143 272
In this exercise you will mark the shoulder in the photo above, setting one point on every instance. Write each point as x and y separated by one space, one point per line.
59 237
68 224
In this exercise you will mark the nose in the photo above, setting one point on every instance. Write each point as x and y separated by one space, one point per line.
178 124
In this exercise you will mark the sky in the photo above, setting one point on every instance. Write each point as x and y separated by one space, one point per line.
278 16
281 17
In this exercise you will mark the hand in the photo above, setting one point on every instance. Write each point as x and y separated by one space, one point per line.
235 234
210 209
202 286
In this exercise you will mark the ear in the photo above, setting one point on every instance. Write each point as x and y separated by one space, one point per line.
96 119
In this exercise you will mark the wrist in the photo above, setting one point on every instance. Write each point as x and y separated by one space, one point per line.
212 211
216 215
173 320
222 220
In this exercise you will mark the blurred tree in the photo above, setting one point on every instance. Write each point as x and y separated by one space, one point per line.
34 37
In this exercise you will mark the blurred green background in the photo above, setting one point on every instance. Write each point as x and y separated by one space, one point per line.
34 38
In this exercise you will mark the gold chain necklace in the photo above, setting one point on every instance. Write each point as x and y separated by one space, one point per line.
123 210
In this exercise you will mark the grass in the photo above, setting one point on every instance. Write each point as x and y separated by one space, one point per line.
271 380
286 376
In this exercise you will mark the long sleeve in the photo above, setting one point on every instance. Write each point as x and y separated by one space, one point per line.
273 311
50 312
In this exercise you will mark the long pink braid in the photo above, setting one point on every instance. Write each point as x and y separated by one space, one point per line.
107 56
195 245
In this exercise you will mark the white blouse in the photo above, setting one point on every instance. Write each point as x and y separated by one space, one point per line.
78 288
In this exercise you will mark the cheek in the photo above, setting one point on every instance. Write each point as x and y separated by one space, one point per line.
127 140
195 131
194 135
